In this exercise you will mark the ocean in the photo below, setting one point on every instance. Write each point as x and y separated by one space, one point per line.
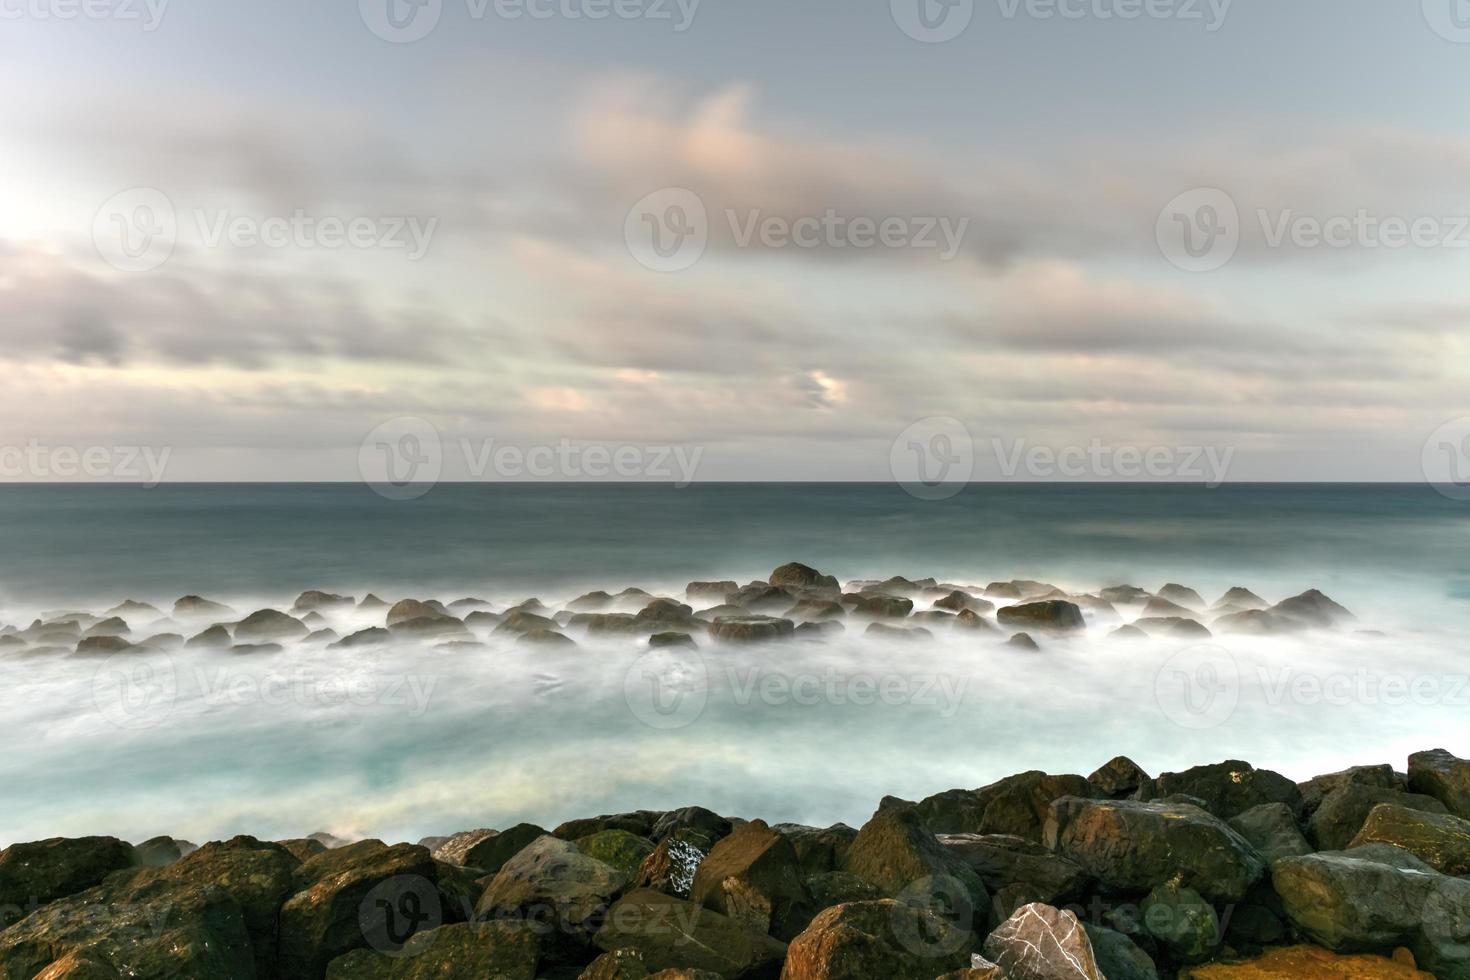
410 740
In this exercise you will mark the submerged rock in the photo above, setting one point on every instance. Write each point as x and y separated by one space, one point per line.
406 610
1312 608
373 636
1183 595
879 606
312 601
796 575
1023 641
194 606
750 629
1053 614
902 634
268 625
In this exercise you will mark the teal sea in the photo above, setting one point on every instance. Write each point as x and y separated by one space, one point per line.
409 740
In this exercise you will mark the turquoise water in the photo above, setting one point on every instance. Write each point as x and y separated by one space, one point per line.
410 740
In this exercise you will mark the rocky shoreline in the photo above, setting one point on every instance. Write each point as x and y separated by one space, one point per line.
1218 872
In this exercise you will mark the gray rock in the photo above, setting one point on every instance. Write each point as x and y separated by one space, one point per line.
1039 942
1443 776
1272 830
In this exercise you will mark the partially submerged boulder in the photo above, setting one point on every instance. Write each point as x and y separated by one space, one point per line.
267 625
750 629
1053 615
796 575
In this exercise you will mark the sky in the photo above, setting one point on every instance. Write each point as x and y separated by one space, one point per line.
765 240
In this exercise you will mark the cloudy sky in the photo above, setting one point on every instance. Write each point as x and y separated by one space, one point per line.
254 234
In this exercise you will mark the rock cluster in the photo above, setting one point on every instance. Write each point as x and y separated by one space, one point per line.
796 602
1219 872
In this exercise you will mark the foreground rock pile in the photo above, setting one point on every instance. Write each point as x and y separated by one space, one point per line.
795 602
1221 872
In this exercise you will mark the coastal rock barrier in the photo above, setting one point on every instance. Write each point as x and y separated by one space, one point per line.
1220 872
796 602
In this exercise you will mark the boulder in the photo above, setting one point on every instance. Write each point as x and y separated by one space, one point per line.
268 625
818 849
463 951
1161 608
817 632
425 627
1306 963
971 620
102 645
638 822
1182 922
816 610
758 597
750 629
37 872
545 638
409 609
1054 615
662 640
695 818
1023 641
1183 595
1342 813
710 590
1039 942
799 576
370 637
1230 788
1130 846
754 876
1119 778
829 888
1272 830
671 933
672 865
606 624
1443 776
879 606
958 602
1118 957
877 940
192 606
1124 594
454 849
553 883
622 850
1177 627
1017 805
156 852
1240 598
1128 632
592 602
898 855
211 914
1316 788
1006 862
1254 622
1312 609
1440 840
518 622
314 601
112 626
302 848
359 895
1369 898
